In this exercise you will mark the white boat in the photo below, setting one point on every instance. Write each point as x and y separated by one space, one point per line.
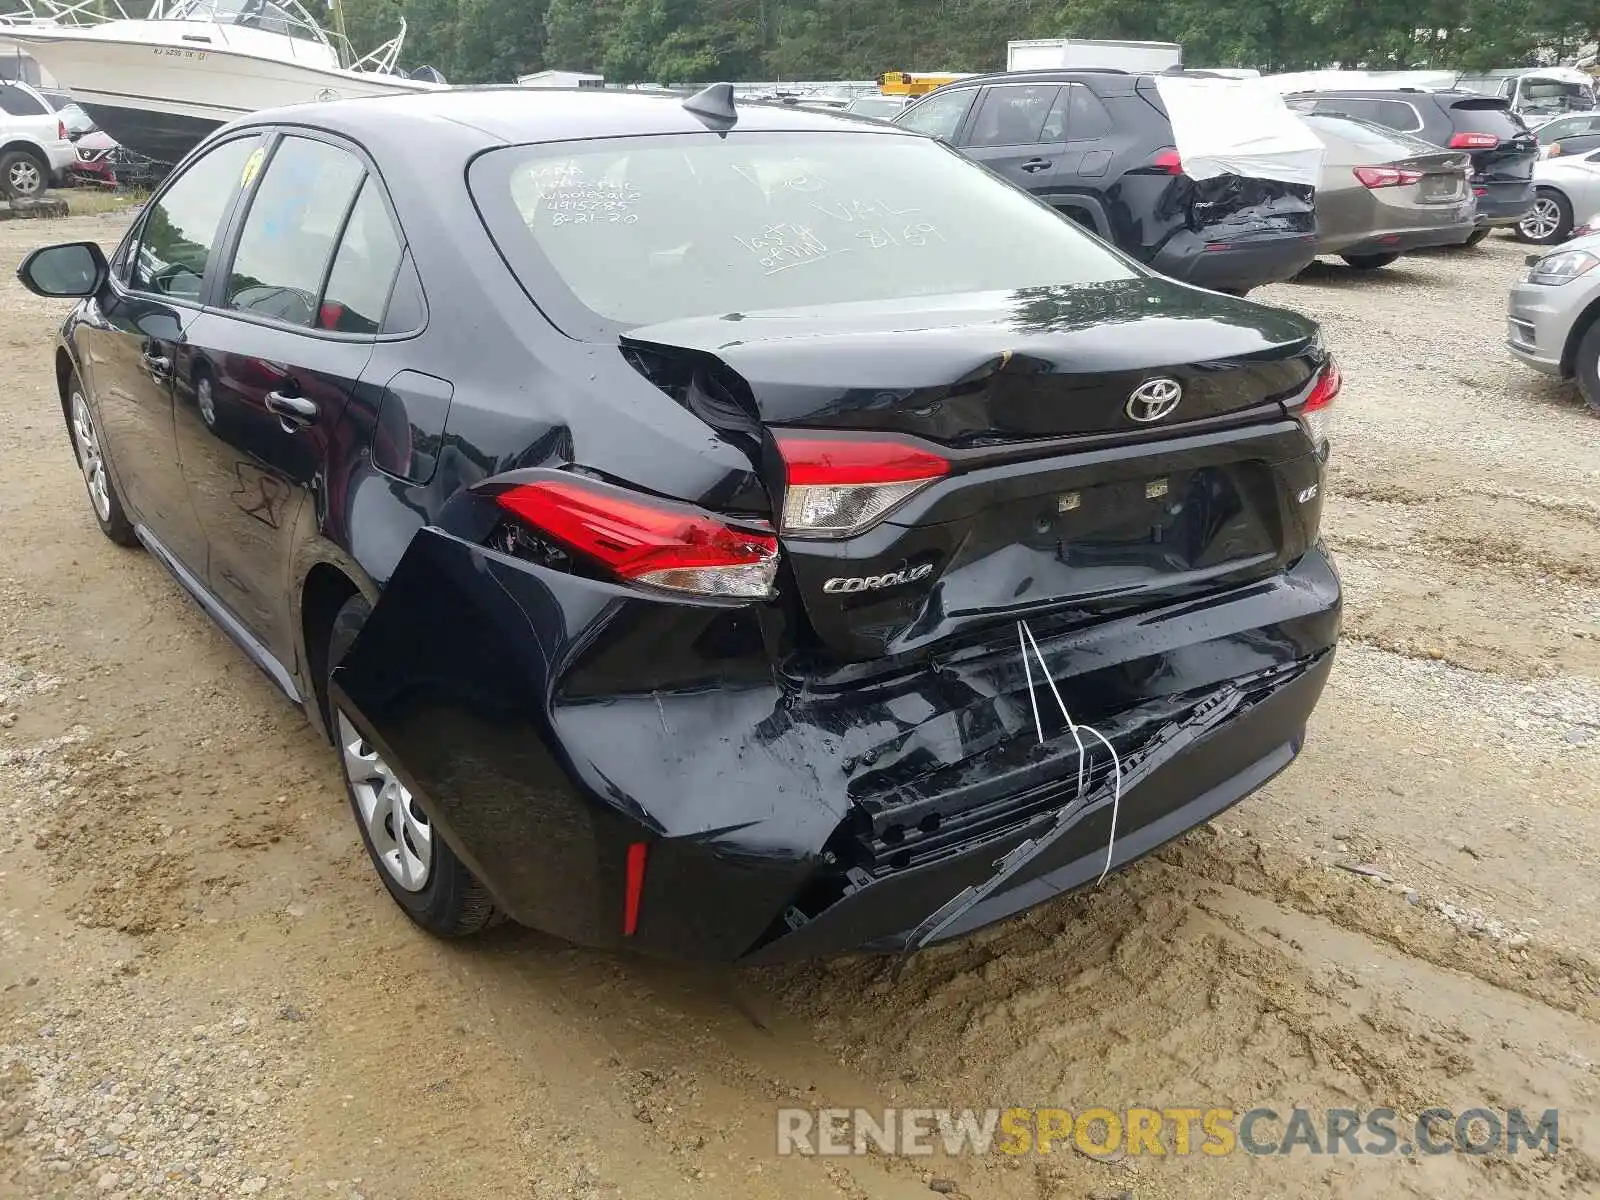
160 83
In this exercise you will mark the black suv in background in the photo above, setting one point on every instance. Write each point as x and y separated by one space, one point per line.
1098 146
1502 149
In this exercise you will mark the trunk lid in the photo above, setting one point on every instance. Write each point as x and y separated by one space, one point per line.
1058 501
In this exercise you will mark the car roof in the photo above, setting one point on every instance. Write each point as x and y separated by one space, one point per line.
514 115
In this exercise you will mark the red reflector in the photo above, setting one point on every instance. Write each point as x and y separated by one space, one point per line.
1381 177
1390 239
1169 161
631 534
1474 141
633 888
1326 389
837 461
1480 191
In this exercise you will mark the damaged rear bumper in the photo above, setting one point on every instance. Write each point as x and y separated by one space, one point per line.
1235 264
548 722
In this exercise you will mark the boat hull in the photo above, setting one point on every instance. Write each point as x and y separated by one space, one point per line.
161 100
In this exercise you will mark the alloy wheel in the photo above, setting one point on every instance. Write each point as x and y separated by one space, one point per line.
90 460
1542 221
206 401
401 837
24 178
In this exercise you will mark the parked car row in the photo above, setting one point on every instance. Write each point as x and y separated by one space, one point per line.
1403 169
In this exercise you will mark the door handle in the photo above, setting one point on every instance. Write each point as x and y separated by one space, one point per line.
1036 164
159 365
293 412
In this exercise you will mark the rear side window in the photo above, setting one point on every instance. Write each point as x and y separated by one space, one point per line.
1012 116
364 269
288 235
1391 114
938 115
1484 116
180 227
1087 118
18 103
618 233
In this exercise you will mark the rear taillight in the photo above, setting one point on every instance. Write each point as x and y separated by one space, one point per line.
1316 414
61 131
839 485
1473 141
1168 162
1382 177
643 539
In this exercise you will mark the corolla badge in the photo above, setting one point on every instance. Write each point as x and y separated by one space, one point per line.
871 583
1153 399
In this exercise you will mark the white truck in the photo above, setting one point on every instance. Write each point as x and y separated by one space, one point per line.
1043 54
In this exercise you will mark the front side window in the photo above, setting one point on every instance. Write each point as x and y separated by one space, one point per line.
632 231
939 114
1013 116
288 236
181 226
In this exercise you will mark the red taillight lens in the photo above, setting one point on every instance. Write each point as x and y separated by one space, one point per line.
1473 141
1168 162
61 130
838 485
1316 414
633 887
1382 177
646 540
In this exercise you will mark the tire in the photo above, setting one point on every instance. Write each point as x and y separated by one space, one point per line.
1550 221
443 897
1476 236
1587 367
1369 262
104 500
23 175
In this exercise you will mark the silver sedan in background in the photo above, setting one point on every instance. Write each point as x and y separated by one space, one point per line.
1383 193
1566 192
1554 317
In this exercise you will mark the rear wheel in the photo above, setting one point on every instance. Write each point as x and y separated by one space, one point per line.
420 871
23 175
1588 367
104 501
1369 262
1549 221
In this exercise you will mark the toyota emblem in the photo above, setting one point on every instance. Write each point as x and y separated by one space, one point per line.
1153 399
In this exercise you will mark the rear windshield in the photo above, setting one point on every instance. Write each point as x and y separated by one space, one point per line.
1379 140
1484 116
614 234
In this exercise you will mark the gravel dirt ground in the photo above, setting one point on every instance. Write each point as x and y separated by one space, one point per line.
204 991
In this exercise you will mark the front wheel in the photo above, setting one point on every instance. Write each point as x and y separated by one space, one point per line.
1369 262
1588 367
103 497
420 871
1549 221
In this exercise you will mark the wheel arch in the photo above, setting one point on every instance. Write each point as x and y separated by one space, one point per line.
32 149
325 587
1569 351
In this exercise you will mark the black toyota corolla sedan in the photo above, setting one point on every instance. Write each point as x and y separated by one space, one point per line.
731 533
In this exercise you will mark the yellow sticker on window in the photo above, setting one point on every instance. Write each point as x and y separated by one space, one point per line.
252 165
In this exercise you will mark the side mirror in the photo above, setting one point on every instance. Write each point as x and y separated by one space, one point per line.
71 269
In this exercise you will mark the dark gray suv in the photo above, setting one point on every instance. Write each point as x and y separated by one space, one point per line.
1098 146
